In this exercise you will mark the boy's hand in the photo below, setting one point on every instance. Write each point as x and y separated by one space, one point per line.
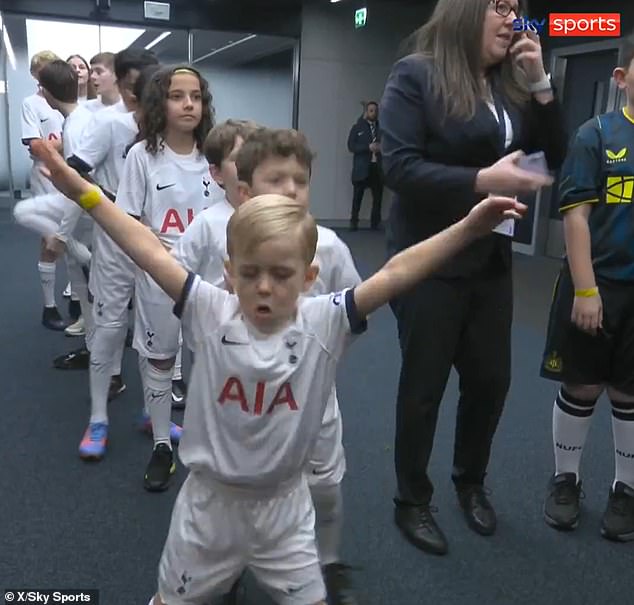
587 313
65 178
490 212
54 245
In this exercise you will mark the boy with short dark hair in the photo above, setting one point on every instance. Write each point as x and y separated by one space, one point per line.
590 341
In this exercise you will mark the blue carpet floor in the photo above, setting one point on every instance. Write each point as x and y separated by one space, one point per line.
64 523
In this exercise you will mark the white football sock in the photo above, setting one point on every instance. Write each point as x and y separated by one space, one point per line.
571 421
105 343
157 391
47 279
623 431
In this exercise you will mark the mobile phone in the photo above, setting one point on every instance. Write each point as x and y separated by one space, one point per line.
534 162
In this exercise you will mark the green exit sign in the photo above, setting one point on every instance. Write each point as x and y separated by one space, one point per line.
360 18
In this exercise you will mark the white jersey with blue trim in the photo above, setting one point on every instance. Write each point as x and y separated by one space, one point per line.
256 402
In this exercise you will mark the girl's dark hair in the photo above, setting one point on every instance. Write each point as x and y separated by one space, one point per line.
145 75
91 93
153 122
451 40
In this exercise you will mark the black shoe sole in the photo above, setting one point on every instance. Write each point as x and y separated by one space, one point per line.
55 327
566 527
628 537
478 529
424 546
92 459
160 487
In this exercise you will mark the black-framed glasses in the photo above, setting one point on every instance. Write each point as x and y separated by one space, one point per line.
504 8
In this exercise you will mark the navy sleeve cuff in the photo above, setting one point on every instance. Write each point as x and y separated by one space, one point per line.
358 324
187 286
79 165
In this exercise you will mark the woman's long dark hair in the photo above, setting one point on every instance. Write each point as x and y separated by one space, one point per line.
452 40
153 122
91 93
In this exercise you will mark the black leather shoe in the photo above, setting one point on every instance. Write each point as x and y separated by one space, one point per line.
52 320
477 509
420 528
75 360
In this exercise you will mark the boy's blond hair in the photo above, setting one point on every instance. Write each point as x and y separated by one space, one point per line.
266 217
222 139
268 143
39 60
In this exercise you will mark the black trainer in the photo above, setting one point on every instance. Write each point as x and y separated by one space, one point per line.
561 509
179 394
117 386
339 585
618 519
160 469
419 527
79 359
52 320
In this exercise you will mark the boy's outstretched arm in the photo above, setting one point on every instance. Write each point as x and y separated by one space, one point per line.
134 238
418 262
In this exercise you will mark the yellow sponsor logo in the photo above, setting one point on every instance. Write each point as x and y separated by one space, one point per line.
616 157
553 363
619 189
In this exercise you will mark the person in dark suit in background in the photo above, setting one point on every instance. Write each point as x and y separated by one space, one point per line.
456 117
364 141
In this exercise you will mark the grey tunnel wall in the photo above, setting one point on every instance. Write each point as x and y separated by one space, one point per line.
340 67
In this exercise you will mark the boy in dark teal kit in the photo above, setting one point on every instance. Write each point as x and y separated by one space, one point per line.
590 342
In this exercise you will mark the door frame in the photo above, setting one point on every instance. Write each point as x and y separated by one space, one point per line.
552 229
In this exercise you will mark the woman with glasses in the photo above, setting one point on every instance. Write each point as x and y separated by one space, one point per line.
458 114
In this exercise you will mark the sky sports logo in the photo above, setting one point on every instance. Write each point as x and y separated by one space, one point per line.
573 24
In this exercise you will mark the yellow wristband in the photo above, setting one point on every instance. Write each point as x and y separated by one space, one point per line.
588 293
90 199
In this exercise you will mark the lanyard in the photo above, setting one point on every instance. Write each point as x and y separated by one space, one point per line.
499 110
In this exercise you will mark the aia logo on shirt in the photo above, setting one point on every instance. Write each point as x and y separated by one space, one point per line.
174 219
266 401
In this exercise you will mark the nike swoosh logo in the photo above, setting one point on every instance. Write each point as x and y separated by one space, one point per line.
159 188
224 341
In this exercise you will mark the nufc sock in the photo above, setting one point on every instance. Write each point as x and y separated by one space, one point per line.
623 431
571 422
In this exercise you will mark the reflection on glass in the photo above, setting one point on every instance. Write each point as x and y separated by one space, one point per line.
251 76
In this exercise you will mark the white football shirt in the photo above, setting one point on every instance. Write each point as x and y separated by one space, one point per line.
73 129
72 133
104 145
254 412
40 121
202 248
166 191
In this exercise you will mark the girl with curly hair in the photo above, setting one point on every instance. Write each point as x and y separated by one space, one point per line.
165 183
